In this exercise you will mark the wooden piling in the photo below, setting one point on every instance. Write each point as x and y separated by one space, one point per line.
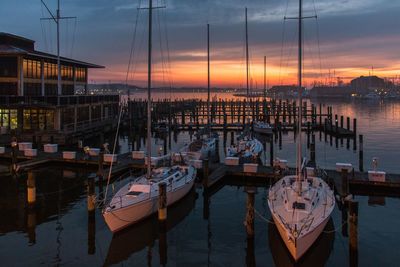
31 189
162 201
91 197
353 240
250 213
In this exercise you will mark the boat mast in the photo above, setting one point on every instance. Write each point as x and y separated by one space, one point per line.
247 55
57 19
149 93
265 77
208 77
299 118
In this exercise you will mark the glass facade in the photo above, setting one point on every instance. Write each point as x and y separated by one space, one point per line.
38 119
9 118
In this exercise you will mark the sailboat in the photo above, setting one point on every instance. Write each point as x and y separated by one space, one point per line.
205 145
138 197
248 148
300 206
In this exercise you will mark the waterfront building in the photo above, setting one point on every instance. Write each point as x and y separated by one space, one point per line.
32 107
331 92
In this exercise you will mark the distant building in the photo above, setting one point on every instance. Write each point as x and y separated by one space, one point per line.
365 84
32 106
330 91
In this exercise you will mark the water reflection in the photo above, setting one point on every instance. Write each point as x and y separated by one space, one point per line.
316 256
145 233
54 197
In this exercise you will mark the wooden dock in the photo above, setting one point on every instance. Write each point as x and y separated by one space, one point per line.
213 175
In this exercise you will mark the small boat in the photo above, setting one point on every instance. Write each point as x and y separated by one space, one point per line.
300 217
262 127
200 148
247 149
137 199
300 205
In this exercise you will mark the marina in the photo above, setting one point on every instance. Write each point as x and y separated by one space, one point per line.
181 159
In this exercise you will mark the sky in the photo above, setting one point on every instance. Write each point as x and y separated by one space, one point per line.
350 38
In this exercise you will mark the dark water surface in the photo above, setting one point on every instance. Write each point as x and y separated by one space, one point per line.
59 231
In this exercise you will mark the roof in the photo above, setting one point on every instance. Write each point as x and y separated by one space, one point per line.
16 45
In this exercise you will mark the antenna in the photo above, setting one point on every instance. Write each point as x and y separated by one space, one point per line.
57 19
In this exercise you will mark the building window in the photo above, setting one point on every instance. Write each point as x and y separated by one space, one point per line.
31 68
8 88
8 118
80 74
8 67
38 119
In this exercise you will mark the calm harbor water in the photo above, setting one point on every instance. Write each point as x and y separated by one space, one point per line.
60 231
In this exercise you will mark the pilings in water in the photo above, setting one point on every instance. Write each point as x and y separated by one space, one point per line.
361 153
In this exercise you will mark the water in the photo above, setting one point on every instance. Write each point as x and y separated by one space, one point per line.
60 231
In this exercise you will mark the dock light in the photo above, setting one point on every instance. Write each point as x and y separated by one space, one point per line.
14 144
86 149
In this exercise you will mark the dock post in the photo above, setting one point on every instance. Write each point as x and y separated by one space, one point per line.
90 194
250 212
353 240
355 127
14 145
162 244
341 121
361 153
336 124
162 202
348 123
250 256
345 183
31 189
205 173
31 225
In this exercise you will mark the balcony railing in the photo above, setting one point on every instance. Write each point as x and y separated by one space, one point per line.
57 100
84 125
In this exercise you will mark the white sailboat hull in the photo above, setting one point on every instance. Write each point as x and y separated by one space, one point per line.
303 243
300 217
118 219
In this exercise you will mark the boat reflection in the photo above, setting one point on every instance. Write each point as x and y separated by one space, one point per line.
145 233
317 255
